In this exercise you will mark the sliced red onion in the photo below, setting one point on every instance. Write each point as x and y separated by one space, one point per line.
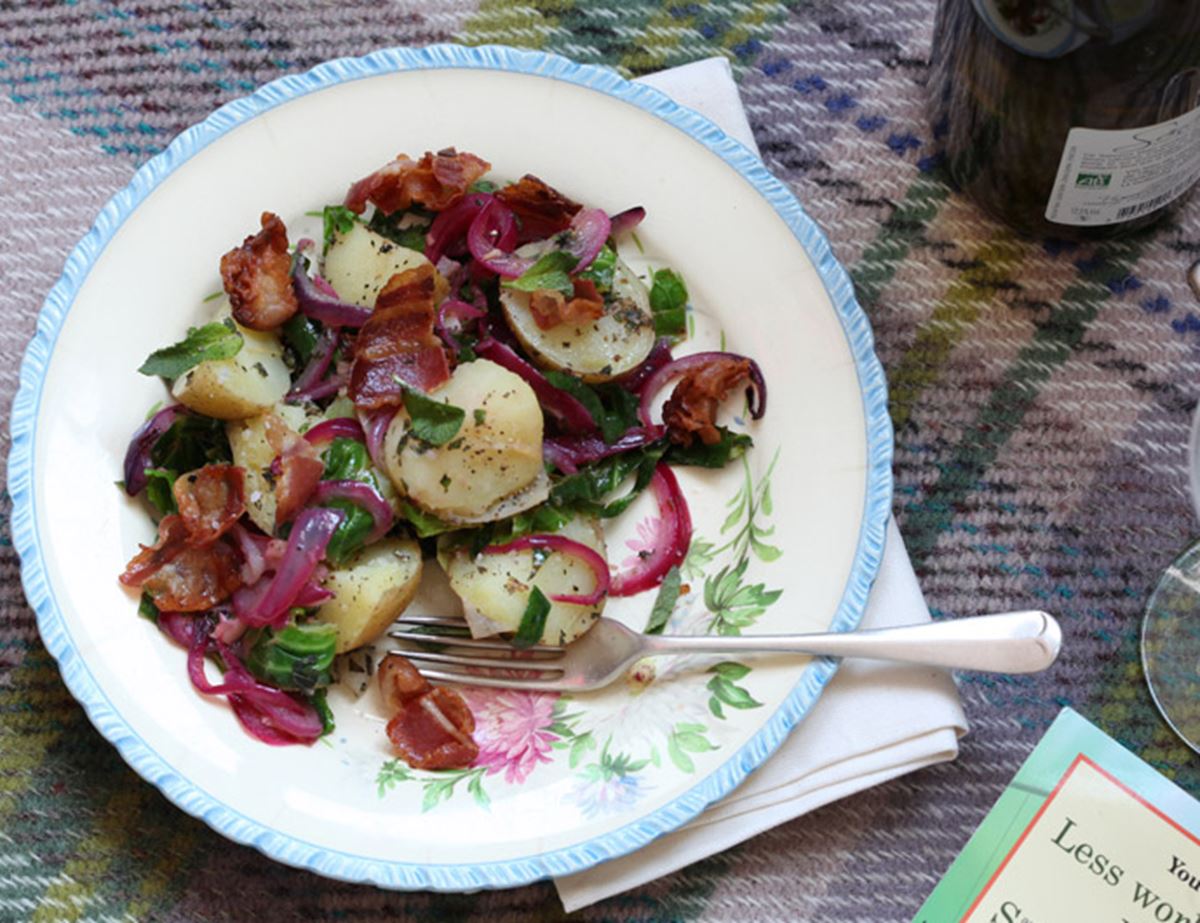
756 394
567 453
337 428
360 494
141 444
312 594
254 551
450 226
659 355
453 317
320 305
180 626
323 285
272 715
627 220
491 236
563 407
375 425
268 601
568 546
310 379
229 628
588 233
673 535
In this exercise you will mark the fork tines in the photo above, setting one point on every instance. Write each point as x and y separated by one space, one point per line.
457 657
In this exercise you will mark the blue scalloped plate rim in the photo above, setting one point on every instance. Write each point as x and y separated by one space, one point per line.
444 877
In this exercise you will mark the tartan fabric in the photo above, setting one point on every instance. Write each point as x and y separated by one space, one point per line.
1041 394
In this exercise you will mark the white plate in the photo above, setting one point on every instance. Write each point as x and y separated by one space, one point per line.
563 784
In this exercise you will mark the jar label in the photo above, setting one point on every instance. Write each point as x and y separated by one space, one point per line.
1106 177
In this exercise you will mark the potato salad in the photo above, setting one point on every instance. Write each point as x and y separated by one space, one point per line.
465 374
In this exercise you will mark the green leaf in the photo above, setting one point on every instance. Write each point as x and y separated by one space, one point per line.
482 185
408 228
346 460
432 421
299 334
550 272
585 491
191 442
533 621
664 603
424 524
730 447
321 704
147 609
613 408
351 533
212 341
160 483
600 272
336 219
298 657
730 670
668 303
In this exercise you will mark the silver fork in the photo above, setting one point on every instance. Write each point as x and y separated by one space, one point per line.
1011 642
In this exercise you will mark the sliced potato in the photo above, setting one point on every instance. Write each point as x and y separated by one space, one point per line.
360 262
241 386
496 454
371 591
252 451
497 586
597 351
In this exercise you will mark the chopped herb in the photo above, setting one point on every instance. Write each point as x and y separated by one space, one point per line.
322 706
213 297
668 303
480 415
732 446
432 421
601 269
446 481
550 272
212 341
664 603
533 622
483 185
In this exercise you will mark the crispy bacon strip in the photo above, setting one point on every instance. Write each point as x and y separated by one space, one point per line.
258 277
181 576
399 681
210 500
433 731
436 181
691 410
541 209
551 308
300 469
397 345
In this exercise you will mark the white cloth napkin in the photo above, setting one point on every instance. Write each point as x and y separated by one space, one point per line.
874 722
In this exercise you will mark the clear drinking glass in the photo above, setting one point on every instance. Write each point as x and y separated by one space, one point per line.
1171 627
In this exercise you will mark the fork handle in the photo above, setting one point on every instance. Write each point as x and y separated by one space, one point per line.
1011 642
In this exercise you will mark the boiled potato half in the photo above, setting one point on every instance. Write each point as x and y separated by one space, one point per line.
371 591
360 262
241 386
596 351
496 454
497 586
252 450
